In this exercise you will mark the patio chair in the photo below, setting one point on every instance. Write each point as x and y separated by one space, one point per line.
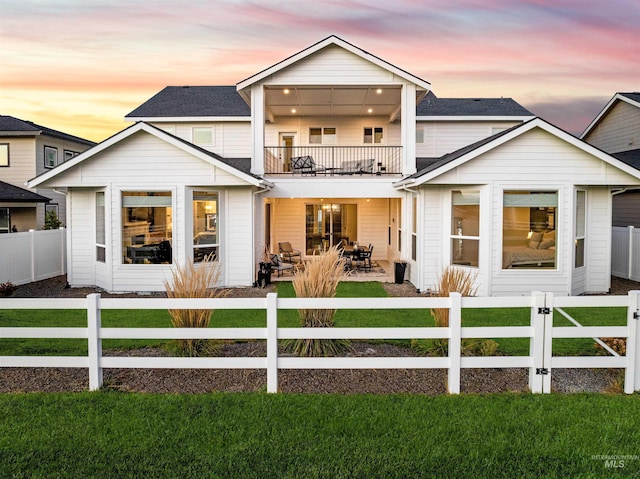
306 165
290 254
280 266
363 259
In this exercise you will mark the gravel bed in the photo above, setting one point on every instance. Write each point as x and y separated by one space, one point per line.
383 381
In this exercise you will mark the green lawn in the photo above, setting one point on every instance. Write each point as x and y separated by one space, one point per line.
289 318
115 435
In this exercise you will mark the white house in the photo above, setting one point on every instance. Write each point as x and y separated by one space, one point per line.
616 130
335 144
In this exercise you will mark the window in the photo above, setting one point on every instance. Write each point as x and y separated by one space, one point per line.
205 225
101 237
146 227
419 134
52 207
5 220
323 136
465 227
50 157
580 230
4 154
414 229
68 154
203 135
373 134
528 229
329 224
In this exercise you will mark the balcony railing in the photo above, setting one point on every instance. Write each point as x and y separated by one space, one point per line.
333 160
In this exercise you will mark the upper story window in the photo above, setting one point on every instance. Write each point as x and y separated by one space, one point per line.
419 134
68 154
323 136
50 157
373 134
4 154
202 135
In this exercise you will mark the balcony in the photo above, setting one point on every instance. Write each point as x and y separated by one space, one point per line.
333 160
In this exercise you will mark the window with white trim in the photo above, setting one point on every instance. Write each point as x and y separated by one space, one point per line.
205 225
465 227
528 229
4 154
323 135
419 134
202 135
50 157
373 134
101 235
147 227
580 227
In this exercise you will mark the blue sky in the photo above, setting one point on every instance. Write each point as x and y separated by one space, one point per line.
81 65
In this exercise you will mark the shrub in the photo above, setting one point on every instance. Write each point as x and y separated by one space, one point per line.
7 289
51 221
463 281
194 281
319 279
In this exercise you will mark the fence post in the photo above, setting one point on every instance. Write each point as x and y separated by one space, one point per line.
455 324
95 343
632 372
630 252
536 343
547 349
32 239
272 342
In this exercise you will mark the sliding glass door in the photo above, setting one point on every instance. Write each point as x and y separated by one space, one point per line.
327 224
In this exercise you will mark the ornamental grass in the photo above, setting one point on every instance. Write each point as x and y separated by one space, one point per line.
319 279
194 281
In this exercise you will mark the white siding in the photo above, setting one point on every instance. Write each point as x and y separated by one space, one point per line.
232 139
540 158
238 246
598 246
619 130
442 137
333 64
432 241
81 239
22 164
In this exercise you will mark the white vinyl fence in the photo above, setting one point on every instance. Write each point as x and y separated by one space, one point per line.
625 252
32 255
541 332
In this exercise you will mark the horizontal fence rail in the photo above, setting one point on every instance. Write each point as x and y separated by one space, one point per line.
540 332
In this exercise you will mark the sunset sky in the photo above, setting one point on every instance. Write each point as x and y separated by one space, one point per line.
81 65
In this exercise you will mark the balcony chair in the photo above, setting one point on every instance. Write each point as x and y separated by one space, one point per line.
305 165
280 266
290 254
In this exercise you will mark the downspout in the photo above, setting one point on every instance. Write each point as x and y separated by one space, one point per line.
267 187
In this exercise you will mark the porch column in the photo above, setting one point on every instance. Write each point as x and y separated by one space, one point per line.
257 128
408 129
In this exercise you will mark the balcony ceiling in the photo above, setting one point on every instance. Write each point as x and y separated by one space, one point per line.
327 100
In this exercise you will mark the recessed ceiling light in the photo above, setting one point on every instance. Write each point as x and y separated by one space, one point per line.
293 110
379 90
286 91
370 110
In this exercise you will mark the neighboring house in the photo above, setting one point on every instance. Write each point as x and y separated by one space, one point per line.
27 150
335 144
616 130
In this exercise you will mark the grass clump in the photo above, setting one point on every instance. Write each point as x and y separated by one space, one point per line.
319 279
7 289
194 281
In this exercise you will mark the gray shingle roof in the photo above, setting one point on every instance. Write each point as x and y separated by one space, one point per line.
434 106
19 195
635 96
196 101
630 157
10 125
206 101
